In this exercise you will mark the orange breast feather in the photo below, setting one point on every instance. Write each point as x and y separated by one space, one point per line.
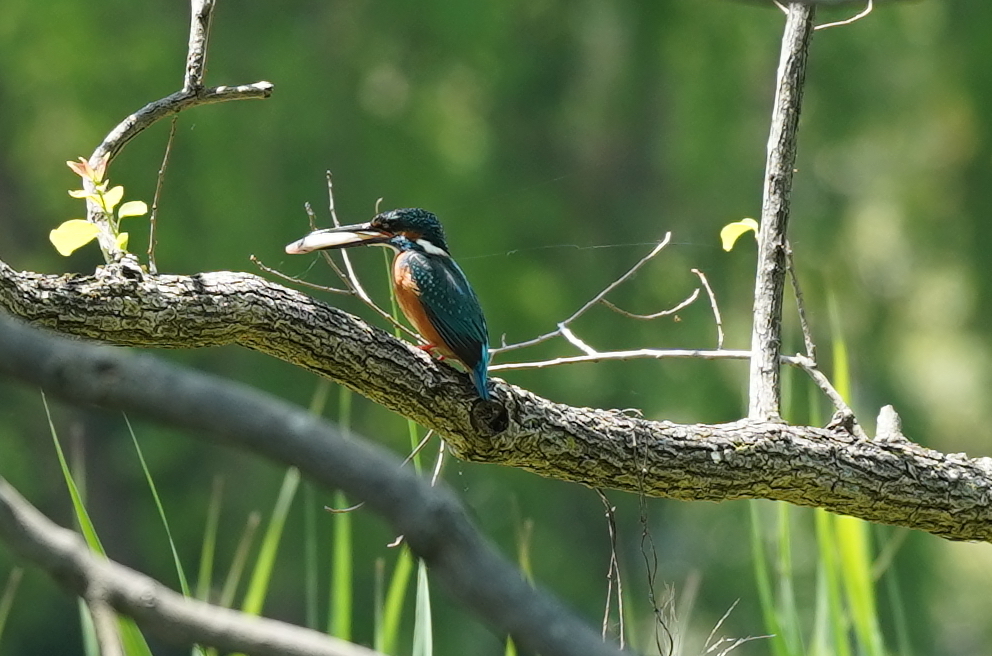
408 297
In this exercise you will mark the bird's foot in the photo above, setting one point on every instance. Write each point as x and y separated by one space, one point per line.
432 350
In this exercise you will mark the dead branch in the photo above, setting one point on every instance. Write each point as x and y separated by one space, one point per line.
766 336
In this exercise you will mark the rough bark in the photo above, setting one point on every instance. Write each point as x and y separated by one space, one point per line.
895 482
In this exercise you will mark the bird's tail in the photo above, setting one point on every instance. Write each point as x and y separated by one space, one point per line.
480 376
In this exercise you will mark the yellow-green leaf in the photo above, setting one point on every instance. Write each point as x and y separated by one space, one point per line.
732 231
112 197
72 234
122 241
132 208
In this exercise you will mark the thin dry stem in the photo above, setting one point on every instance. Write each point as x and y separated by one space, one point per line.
800 304
657 315
867 10
713 305
595 299
298 281
153 217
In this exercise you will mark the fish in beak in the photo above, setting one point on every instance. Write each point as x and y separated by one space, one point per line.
340 237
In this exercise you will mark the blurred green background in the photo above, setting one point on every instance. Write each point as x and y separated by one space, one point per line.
556 141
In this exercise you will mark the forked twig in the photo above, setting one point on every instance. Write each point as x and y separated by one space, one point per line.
298 281
595 299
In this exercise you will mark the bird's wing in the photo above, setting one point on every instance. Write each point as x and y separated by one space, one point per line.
451 306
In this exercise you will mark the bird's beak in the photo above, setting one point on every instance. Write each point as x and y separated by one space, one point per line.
340 237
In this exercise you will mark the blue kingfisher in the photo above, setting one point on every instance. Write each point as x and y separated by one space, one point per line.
430 288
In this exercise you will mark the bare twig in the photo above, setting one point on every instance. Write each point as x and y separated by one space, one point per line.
439 463
766 336
153 217
634 354
595 299
810 367
348 276
867 10
420 447
657 315
713 304
297 281
613 574
800 304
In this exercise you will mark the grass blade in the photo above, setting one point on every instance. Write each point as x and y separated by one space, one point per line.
183 583
392 611
423 634
764 584
208 550
134 643
261 576
339 618
7 599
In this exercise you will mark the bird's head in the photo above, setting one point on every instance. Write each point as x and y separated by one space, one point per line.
418 226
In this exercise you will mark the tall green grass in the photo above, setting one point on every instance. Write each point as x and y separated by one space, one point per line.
845 619
132 641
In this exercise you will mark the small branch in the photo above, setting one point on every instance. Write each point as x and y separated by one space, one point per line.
179 101
196 57
595 299
634 354
657 315
867 10
192 94
809 365
298 281
153 217
766 336
716 309
800 304
64 556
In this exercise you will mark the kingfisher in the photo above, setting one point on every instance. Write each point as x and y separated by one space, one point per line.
430 287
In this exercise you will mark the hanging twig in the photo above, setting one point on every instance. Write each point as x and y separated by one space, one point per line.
657 315
153 217
716 309
800 304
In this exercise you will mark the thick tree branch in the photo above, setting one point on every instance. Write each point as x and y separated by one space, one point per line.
64 555
766 335
890 482
431 519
